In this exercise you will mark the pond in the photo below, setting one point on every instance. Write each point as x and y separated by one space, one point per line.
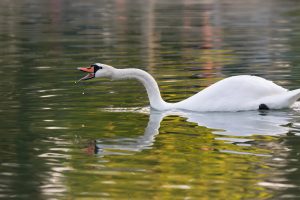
99 140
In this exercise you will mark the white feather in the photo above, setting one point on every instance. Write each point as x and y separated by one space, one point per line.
235 93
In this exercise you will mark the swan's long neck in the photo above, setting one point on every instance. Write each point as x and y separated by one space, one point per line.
149 83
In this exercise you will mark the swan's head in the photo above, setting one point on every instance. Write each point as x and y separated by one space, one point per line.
97 70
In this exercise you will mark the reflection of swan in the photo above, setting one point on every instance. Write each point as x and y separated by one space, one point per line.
129 144
231 94
221 123
242 123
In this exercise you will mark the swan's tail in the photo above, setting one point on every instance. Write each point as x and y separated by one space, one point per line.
284 100
294 96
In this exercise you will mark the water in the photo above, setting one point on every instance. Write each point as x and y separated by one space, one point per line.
98 140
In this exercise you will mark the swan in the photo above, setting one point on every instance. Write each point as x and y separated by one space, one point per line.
236 93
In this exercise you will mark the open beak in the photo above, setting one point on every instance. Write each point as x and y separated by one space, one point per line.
89 70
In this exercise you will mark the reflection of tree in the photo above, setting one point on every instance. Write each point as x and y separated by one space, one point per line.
22 107
16 118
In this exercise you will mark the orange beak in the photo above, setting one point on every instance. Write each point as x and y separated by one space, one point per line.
86 69
89 70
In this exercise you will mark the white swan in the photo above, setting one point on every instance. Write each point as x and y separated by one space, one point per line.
235 93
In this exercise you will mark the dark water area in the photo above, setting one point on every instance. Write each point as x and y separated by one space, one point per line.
98 140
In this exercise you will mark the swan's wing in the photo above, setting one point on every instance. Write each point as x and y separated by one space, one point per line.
234 93
242 87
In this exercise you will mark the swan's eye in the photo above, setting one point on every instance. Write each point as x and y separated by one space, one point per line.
96 67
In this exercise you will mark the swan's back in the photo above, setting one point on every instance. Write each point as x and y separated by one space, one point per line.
232 94
244 86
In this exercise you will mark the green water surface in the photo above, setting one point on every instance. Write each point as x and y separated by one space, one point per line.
99 140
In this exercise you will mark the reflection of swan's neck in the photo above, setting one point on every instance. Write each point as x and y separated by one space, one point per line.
149 83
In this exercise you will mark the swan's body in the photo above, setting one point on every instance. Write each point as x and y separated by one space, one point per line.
235 93
241 93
